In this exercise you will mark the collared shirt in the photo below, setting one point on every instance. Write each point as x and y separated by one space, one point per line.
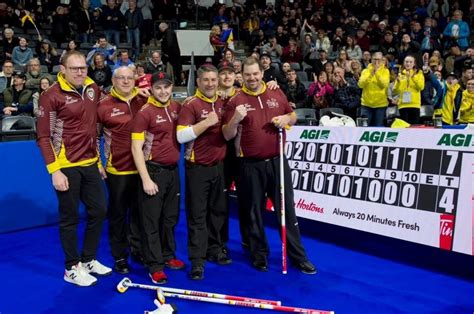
156 124
114 117
210 147
257 137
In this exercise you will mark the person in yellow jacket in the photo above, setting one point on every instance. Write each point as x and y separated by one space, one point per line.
408 85
466 111
374 81
452 98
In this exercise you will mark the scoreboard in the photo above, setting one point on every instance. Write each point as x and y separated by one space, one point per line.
412 184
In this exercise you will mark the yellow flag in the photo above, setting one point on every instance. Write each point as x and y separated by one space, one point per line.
400 124
25 18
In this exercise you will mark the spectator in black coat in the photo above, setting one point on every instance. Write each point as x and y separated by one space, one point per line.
155 64
112 21
295 91
170 50
85 23
8 43
61 31
270 73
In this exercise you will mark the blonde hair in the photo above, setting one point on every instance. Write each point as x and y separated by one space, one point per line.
215 30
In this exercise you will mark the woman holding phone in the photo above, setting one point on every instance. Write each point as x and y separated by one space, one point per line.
408 85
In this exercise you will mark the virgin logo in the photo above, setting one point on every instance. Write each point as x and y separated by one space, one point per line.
446 229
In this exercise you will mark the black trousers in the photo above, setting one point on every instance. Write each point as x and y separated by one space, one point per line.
410 115
259 179
159 215
85 184
206 210
232 174
124 230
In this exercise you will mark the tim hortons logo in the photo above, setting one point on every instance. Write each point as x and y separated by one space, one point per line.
312 207
204 113
70 100
159 119
446 228
116 112
248 107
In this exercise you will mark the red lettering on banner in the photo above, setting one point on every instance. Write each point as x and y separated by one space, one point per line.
446 228
312 207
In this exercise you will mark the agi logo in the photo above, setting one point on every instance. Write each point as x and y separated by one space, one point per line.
315 134
456 140
379 137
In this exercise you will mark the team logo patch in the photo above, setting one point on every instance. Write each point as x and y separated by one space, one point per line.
90 93
174 115
272 103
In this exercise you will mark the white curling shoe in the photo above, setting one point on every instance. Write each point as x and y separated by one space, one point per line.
95 267
79 276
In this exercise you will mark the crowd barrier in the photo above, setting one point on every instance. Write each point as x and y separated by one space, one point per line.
27 197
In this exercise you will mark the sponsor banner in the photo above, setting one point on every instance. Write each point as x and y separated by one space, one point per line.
411 184
393 222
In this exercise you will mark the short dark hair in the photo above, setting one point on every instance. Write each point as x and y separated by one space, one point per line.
251 61
205 68
71 53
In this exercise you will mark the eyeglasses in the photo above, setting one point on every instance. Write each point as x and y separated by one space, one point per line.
123 78
77 69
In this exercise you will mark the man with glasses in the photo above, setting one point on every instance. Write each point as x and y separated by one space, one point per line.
114 119
67 137
156 154
374 81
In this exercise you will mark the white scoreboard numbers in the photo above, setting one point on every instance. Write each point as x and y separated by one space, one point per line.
412 184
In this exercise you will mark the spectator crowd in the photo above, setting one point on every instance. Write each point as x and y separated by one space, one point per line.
361 58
